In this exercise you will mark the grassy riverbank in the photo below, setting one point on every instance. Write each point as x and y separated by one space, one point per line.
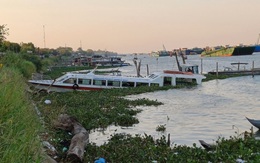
19 124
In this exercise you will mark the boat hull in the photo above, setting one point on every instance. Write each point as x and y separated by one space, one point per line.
257 49
63 88
160 54
225 52
233 51
243 50
254 122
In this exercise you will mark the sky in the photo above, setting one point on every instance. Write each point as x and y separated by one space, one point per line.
131 26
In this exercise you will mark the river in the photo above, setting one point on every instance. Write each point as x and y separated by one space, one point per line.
214 109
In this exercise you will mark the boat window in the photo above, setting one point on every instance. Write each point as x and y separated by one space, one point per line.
99 82
62 78
183 81
195 70
113 83
71 81
142 84
154 84
85 81
128 84
167 81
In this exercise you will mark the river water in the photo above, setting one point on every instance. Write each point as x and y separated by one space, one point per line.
214 109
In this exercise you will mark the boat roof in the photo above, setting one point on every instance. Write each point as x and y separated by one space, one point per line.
238 63
188 65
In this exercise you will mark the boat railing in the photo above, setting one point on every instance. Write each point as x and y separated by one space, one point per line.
38 76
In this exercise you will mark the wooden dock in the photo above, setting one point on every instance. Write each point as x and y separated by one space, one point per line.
228 71
255 71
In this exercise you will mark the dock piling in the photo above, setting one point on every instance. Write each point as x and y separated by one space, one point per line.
169 140
253 65
201 65
217 69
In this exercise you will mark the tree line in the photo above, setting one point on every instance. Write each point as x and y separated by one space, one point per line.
6 46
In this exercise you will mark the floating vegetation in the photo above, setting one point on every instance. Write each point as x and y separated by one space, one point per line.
97 109
161 128
127 148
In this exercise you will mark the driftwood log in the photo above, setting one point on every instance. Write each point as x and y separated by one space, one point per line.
78 141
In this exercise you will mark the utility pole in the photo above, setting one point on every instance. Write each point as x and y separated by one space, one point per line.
80 44
257 42
44 37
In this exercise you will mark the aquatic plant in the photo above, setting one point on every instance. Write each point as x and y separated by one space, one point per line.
161 128
127 148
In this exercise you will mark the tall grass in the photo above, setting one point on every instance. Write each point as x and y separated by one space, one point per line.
19 124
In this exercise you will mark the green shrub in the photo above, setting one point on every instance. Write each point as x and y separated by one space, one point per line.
13 60
27 68
34 59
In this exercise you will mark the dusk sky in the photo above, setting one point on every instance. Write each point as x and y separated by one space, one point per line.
131 26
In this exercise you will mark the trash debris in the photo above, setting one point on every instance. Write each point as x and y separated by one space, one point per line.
64 149
49 146
240 160
100 160
47 101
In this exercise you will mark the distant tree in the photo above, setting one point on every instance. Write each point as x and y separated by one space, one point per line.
90 52
65 51
15 47
5 45
54 52
27 47
79 49
11 46
46 52
3 32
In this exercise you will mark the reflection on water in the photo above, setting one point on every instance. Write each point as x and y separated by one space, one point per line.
201 113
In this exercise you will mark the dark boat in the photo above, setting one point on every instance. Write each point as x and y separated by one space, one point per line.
257 48
243 50
254 122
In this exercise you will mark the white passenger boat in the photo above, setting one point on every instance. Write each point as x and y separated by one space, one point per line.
91 81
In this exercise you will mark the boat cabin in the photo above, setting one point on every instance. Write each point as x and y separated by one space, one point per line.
190 68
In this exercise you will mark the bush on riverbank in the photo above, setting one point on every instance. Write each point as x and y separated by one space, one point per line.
16 61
